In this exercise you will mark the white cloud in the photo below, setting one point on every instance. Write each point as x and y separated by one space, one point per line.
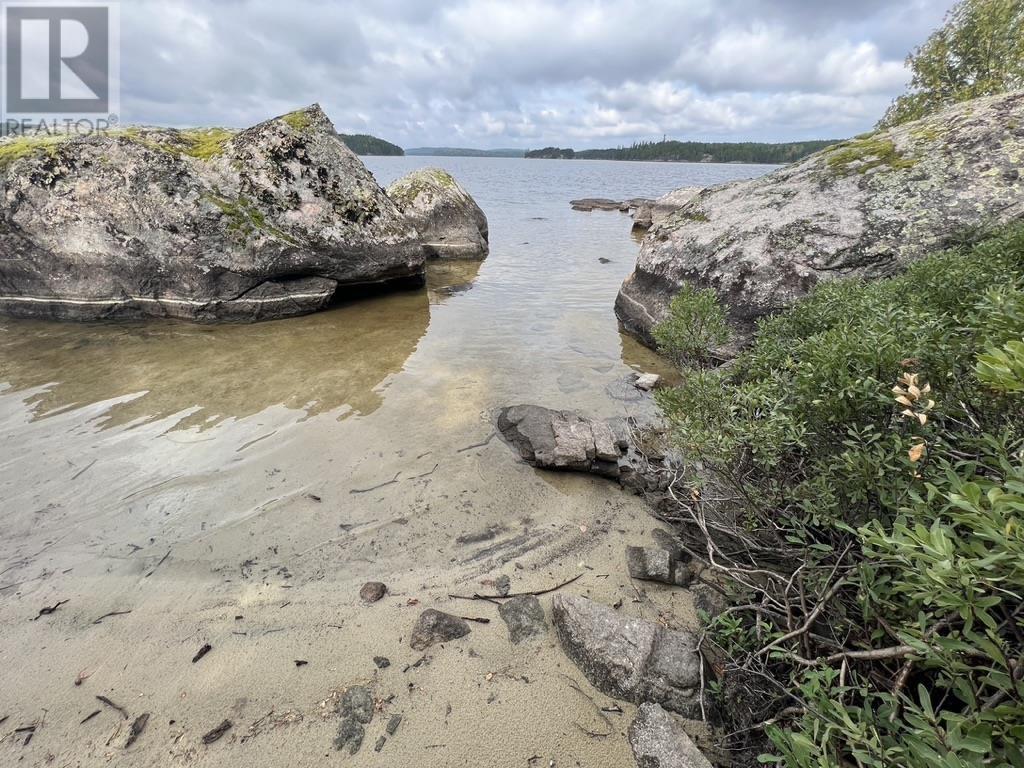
494 73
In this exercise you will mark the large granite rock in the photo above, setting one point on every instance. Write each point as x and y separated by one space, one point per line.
448 220
658 740
560 439
865 208
627 658
202 225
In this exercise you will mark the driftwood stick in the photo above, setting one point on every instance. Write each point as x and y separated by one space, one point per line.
392 481
537 592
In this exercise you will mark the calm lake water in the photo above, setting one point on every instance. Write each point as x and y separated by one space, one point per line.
534 320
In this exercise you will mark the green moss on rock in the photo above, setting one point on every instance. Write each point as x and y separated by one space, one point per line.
16 148
246 219
298 120
200 143
864 154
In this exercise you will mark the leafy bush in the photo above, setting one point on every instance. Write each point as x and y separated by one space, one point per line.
858 484
695 324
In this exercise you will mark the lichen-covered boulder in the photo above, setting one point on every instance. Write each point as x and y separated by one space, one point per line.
200 224
864 208
448 220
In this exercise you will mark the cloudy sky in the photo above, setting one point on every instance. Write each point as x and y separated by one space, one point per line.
526 73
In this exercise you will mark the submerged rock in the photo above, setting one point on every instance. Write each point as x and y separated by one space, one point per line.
524 617
201 225
865 208
647 381
560 439
627 658
435 626
658 740
448 220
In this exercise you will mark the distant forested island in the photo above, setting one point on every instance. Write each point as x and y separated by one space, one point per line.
463 152
362 144
691 152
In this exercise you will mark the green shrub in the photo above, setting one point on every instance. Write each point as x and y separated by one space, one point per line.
867 459
695 324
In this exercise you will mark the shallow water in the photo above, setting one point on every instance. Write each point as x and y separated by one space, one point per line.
194 473
534 322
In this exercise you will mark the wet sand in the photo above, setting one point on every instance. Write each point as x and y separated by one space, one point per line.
235 486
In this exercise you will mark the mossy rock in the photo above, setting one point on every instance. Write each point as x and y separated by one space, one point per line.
17 147
865 154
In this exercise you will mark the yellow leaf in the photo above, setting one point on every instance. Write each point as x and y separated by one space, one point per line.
903 401
923 418
916 453
914 392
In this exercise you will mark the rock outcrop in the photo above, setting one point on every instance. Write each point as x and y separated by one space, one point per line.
448 220
864 208
651 212
630 659
201 224
561 440
658 740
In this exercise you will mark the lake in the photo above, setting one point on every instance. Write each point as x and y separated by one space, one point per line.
191 474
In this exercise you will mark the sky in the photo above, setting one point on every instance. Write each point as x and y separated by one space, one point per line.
526 73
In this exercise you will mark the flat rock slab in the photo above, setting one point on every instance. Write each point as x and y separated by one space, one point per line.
658 740
524 617
656 564
561 440
627 658
434 627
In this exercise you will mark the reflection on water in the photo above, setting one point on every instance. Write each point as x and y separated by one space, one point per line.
318 363
315 363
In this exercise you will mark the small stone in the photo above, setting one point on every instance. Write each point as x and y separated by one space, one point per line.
654 564
435 626
503 584
658 740
382 662
357 704
524 617
393 723
380 744
647 381
372 591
